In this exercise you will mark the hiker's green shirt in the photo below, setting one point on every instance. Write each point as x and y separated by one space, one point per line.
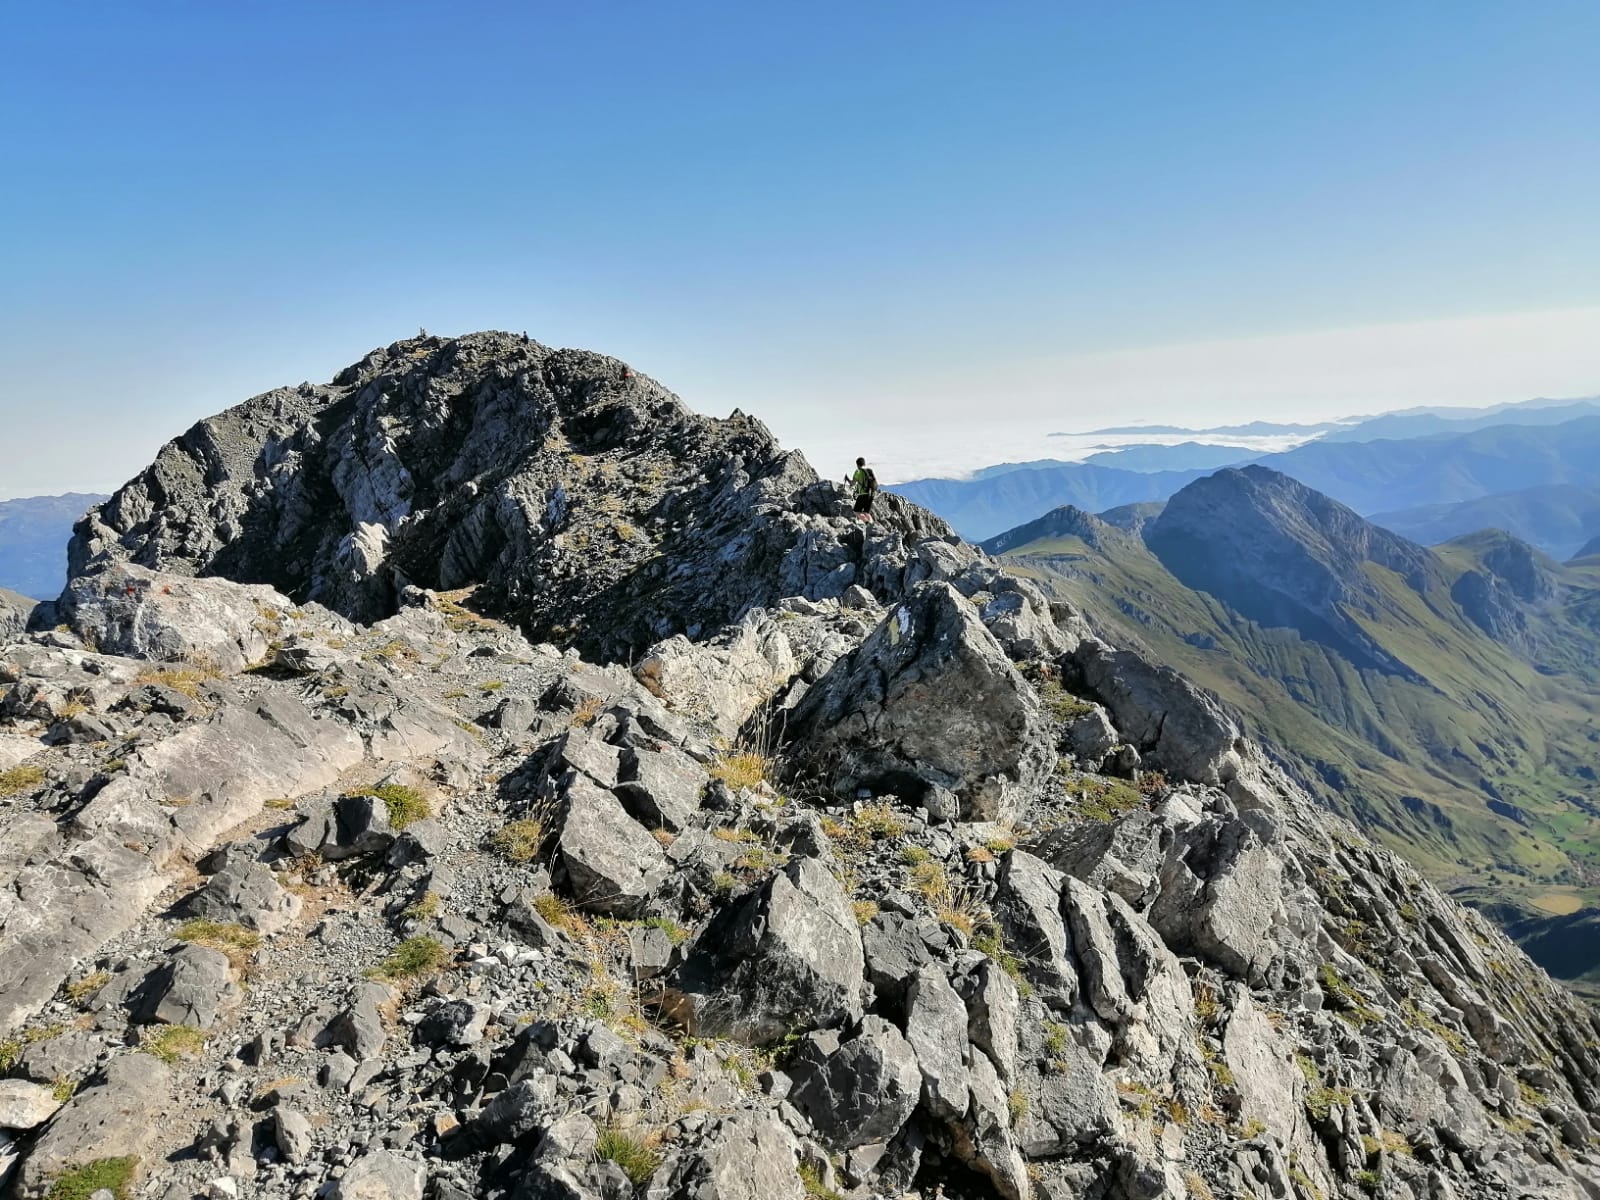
860 480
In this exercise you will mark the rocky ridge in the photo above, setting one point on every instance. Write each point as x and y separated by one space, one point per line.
872 874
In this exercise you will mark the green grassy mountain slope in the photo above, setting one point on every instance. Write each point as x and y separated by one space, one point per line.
1445 698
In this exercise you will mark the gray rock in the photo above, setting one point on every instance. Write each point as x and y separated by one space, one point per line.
930 696
1160 713
246 893
1028 906
857 1091
569 1138
1091 737
69 1056
132 611
382 1175
307 656
455 1023
521 1109
292 1133
1222 896
359 1028
192 988
893 949
15 612
25 1105
744 1157
661 788
788 954
993 1009
122 1116
936 1027
611 864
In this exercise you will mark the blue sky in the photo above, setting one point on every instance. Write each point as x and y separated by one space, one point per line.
855 219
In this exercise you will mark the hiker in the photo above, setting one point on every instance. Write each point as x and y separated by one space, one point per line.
866 486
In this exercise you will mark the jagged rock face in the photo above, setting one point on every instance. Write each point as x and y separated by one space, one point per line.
620 936
562 483
15 612
930 700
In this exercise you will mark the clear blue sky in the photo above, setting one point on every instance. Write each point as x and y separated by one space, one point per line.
831 214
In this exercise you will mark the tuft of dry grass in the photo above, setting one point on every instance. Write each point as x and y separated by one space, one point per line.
81 989
20 779
584 715
743 770
237 942
171 1043
186 680
518 841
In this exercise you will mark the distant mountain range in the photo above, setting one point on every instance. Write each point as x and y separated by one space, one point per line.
1405 422
33 541
1446 698
1391 476
1559 519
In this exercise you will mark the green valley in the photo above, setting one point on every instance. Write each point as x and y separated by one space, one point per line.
1444 698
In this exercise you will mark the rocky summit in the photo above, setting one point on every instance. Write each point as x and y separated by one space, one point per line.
482 776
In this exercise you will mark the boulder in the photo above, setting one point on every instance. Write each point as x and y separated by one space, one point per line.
1028 907
858 1090
610 863
15 612
1222 897
929 699
789 954
936 1027
124 1115
192 988
292 1134
743 1157
359 1028
246 893
24 1105
139 613
1161 713
993 1009
725 680
661 788
382 1175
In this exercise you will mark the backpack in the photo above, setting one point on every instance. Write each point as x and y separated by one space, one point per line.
872 482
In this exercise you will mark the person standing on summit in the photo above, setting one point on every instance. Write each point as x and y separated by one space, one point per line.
866 486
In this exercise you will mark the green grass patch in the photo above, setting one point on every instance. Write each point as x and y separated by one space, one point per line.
1061 704
173 1043
405 805
412 959
114 1175
811 1182
637 1158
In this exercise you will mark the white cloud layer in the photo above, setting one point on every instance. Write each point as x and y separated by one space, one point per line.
955 420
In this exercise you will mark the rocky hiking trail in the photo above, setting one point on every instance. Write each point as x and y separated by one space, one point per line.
481 776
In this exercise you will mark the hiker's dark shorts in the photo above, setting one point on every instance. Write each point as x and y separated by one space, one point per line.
864 503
